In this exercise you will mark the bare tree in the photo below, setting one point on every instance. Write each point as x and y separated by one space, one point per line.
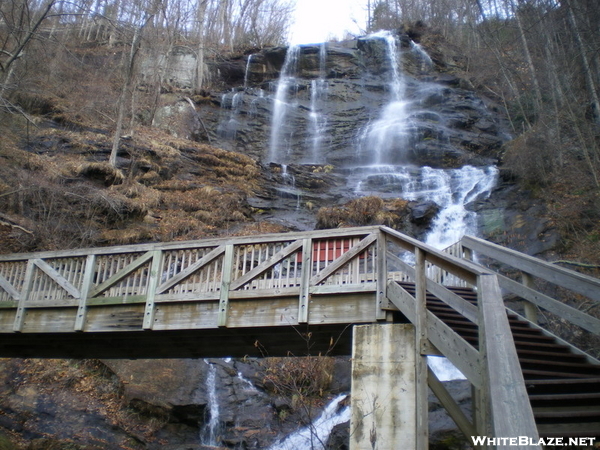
129 75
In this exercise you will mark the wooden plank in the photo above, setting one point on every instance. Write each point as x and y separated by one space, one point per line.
304 295
407 269
530 308
58 278
188 316
564 311
456 302
460 353
402 300
179 245
206 259
114 301
151 291
86 286
511 413
450 344
343 260
24 295
49 320
454 411
367 287
225 284
132 266
575 281
421 392
265 265
420 298
9 304
462 268
125 317
10 290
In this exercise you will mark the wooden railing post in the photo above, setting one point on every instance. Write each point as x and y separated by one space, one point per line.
382 275
530 308
504 388
422 438
225 284
304 298
151 290
86 286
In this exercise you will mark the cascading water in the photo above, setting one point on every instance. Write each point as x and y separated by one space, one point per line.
315 436
383 147
281 130
232 101
318 120
247 71
426 62
210 432
384 140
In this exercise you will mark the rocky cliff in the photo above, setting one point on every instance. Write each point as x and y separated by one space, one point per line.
326 126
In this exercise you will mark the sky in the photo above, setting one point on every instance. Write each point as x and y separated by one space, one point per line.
318 20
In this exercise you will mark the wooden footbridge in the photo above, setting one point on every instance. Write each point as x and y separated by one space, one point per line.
303 293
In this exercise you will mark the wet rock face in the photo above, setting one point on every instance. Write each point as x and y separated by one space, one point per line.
449 126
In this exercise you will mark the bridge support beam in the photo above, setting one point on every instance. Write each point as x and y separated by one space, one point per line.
384 388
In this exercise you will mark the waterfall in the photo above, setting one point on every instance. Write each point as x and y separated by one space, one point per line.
281 130
385 140
315 435
426 62
211 430
383 146
247 71
318 120
233 102
290 179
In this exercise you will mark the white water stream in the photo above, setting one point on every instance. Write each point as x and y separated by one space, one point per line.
315 435
210 432
283 103
318 120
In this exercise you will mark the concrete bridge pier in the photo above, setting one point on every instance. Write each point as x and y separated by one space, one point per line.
385 389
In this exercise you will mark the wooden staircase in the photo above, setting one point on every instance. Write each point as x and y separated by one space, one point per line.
563 386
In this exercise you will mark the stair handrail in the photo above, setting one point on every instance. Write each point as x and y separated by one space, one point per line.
508 412
533 267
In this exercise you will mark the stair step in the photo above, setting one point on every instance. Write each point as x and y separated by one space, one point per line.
551 375
566 411
561 364
587 429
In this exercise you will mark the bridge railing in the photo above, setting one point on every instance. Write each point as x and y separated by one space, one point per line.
489 361
574 284
212 272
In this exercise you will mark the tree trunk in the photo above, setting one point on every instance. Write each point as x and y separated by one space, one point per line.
587 71
201 42
135 44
